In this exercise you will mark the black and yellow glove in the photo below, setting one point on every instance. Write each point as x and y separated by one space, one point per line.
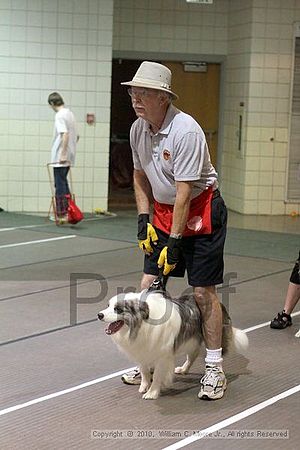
146 234
170 255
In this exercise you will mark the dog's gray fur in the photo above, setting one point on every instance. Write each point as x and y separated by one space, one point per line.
192 322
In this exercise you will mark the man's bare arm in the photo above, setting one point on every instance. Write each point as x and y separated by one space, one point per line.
64 147
143 192
181 207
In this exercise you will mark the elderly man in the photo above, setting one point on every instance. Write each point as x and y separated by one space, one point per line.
174 175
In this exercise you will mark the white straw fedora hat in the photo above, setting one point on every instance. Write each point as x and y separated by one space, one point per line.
153 75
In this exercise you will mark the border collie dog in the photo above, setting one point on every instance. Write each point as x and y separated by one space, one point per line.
151 328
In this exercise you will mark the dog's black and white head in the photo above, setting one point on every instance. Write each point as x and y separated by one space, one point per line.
128 310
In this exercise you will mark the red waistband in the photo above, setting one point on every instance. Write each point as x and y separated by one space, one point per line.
199 218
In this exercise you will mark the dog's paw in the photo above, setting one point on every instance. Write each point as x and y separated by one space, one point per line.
297 334
151 395
144 388
180 370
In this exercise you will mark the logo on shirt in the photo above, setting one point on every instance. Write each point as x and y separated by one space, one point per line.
166 155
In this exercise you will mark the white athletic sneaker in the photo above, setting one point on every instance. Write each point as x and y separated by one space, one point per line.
133 377
213 383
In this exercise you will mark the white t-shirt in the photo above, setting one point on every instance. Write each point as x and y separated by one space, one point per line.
178 152
64 123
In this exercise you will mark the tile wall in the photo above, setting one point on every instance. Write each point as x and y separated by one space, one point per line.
170 26
45 46
258 75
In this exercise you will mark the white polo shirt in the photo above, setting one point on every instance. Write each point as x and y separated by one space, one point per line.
178 152
64 123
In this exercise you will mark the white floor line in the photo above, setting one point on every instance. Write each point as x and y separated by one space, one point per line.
233 419
19 228
97 380
40 241
65 391
50 223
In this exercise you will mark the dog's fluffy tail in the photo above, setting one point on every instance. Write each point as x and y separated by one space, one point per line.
240 340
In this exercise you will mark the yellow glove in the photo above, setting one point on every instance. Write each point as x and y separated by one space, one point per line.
146 234
163 262
170 255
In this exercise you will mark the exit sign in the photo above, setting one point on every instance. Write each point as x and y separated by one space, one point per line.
200 1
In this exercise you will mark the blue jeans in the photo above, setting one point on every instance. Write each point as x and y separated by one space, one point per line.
61 189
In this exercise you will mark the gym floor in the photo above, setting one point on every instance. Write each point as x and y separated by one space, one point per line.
60 373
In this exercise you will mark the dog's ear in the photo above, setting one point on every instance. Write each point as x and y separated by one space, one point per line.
144 310
135 312
137 309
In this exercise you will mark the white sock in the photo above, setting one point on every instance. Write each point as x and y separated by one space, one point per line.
214 357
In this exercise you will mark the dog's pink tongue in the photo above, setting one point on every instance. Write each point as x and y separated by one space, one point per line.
114 327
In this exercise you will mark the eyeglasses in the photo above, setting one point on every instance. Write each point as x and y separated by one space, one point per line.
140 93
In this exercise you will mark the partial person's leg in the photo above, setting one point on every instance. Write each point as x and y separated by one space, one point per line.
292 297
61 189
293 292
58 183
284 318
65 189
147 280
209 305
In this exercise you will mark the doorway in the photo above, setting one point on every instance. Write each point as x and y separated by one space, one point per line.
122 116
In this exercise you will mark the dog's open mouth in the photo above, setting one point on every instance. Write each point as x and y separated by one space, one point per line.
114 327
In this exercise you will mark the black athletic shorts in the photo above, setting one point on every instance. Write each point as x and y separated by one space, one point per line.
202 255
295 275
